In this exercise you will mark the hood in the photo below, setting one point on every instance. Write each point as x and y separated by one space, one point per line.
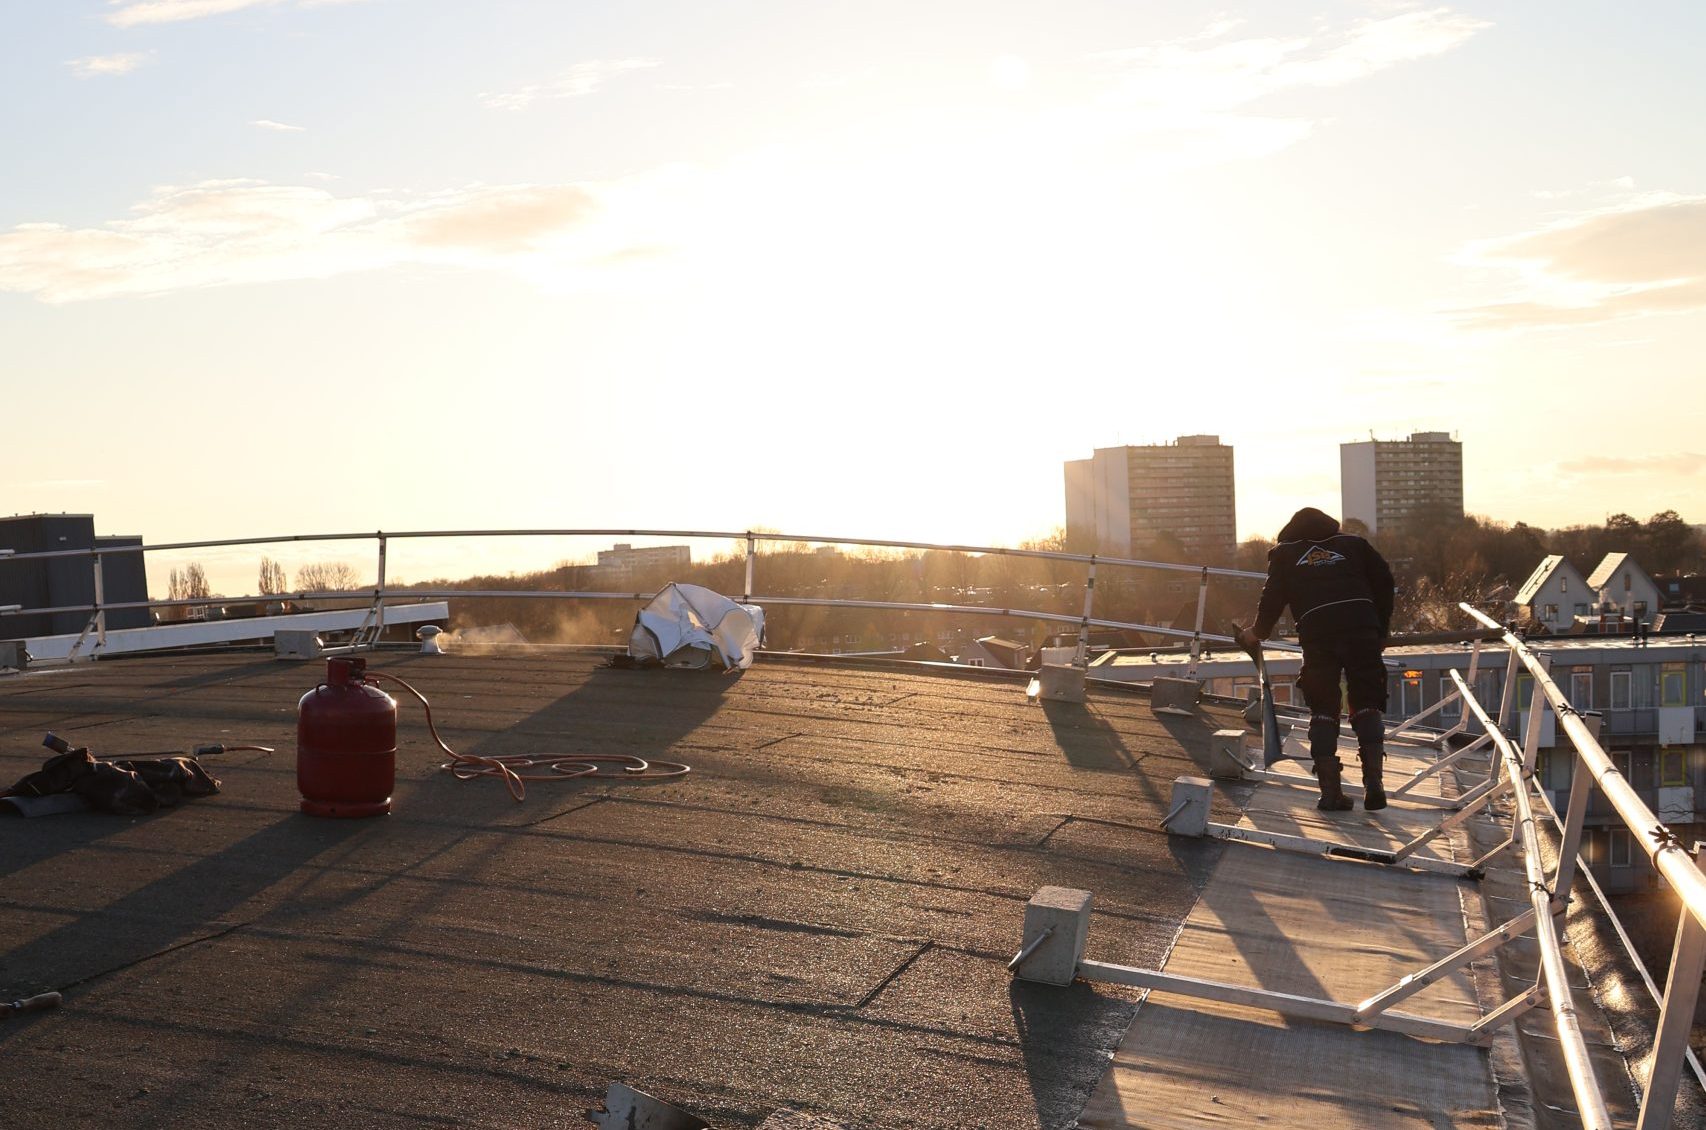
1309 524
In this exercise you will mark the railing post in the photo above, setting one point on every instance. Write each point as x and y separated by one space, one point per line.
1537 706
100 603
751 557
1575 817
1507 693
1082 659
379 594
1675 1019
1196 638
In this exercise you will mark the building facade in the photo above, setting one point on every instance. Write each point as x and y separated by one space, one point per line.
1390 485
622 560
1122 500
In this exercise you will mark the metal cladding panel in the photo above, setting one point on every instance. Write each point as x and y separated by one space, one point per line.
32 583
125 578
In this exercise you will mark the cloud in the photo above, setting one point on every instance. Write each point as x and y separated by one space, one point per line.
100 66
268 123
1675 463
221 233
1640 258
131 13
1191 96
576 82
1230 73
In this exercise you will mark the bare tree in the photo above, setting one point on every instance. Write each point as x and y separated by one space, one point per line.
272 577
188 583
327 576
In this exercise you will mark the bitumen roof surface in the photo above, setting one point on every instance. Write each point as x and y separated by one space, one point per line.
817 917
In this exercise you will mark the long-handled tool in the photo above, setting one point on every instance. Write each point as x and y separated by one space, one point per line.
1271 748
31 1004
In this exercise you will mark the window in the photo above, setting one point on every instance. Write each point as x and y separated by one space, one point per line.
1551 612
1626 582
1581 610
1620 696
1620 847
1640 609
1581 688
1673 768
1524 691
1624 761
1452 710
1673 685
1487 690
1563 584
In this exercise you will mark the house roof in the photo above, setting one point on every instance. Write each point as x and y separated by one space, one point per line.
1608 568
1543 573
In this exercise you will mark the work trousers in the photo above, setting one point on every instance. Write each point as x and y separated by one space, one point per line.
1354 655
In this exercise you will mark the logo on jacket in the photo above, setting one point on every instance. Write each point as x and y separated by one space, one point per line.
1320 555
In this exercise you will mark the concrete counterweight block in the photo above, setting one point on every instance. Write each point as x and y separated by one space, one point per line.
628 1109
1067 911
1188 814
1174 696
1061 684
1226 760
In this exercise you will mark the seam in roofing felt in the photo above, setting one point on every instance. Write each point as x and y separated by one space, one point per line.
923 949
216 935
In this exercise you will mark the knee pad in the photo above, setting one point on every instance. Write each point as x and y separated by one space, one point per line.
1369 725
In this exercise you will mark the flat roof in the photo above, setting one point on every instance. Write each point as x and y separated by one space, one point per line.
818 916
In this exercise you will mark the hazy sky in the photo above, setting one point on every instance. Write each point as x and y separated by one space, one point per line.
861 268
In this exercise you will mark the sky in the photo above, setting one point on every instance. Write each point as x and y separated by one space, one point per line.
872 269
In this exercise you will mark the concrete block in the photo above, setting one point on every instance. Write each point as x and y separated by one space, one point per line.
1061 684
1227 760
1174 696
296 644
1067 911
1189 808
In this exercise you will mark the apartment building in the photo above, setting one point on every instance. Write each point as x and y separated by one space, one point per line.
1390 484
1121 500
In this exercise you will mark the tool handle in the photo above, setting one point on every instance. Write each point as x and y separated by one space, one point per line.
39 1001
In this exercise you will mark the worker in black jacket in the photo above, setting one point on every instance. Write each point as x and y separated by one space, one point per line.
1340 592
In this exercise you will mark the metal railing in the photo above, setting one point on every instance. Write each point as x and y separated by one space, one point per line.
1679 867
379 594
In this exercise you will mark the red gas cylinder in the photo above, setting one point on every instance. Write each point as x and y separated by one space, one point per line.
346 744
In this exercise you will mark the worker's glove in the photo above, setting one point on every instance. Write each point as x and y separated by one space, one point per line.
1248 640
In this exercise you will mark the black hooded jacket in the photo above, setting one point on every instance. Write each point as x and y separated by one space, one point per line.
1333 582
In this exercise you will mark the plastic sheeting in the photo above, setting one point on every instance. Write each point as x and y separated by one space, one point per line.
691 626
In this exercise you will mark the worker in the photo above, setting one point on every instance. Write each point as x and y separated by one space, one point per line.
1340 592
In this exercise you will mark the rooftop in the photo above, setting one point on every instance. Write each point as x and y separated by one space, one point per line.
820 910
817 917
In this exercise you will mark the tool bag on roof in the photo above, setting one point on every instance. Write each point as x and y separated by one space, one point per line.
127 787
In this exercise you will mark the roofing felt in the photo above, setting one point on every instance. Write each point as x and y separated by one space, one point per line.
817 917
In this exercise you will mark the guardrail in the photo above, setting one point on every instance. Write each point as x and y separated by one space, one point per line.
379 593
1679 867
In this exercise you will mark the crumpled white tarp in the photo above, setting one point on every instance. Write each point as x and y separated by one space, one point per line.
689 626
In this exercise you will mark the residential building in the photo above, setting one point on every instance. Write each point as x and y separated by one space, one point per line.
1391 485
1123 500
1623 591
1555 594
622 560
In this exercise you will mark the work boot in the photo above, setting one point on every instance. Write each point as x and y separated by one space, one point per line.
1370 729
1328 769
1333 798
